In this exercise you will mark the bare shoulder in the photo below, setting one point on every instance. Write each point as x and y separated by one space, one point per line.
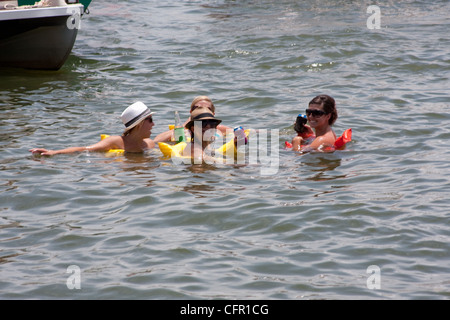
113 138
111 142
326 140
117 141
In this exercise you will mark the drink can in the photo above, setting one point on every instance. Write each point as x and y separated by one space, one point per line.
239 133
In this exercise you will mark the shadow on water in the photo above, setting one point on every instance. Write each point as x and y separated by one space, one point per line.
318 167
18 82
199 190
137 163
22 80
201 168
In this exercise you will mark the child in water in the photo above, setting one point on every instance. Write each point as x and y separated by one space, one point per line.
305 135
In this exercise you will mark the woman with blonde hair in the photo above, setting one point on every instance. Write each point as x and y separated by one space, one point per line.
198 102
201 137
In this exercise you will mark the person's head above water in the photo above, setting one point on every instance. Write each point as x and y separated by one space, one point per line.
205 116
134 115
202 102
322 105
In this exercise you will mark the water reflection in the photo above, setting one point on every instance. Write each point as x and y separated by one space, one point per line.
23 81
318 167
200 190
322 172
9 258
138 165
201 168
206 175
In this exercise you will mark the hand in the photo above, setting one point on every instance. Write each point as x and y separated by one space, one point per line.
42 152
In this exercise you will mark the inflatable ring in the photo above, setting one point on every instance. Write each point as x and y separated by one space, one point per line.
176 150
170 151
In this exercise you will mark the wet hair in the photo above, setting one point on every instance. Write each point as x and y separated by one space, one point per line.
202 98
128 132
328 105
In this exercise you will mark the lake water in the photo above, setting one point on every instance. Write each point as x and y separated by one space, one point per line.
368 222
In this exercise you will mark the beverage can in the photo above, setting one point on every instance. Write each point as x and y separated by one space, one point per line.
239 133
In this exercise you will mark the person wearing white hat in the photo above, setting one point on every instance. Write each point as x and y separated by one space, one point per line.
138 122
134 115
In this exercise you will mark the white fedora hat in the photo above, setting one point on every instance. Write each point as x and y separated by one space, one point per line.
134 114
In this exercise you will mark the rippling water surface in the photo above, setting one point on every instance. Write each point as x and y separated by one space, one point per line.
140 227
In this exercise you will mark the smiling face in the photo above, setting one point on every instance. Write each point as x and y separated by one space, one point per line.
326 104
146 126
317 116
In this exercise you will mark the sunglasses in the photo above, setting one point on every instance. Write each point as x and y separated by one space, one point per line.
315 113
205 123
211 123
150 119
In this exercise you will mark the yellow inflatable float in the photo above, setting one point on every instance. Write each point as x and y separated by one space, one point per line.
176 151
112 152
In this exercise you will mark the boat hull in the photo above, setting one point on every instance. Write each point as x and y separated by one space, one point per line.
38 38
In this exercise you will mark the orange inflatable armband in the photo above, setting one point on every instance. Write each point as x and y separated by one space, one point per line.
342 140
338 144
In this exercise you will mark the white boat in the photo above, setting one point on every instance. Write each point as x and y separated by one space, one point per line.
38 35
